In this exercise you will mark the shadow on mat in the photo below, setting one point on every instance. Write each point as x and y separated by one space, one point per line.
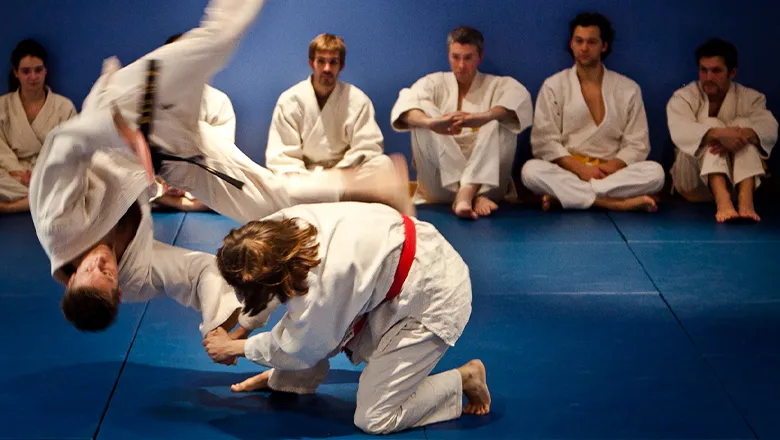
149 396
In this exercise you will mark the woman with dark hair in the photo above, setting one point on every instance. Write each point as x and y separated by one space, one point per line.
27 114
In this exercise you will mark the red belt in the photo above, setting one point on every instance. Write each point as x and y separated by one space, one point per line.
401 272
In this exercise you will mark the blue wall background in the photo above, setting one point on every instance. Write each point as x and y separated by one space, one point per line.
391 43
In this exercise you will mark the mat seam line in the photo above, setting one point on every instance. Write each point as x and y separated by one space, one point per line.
685 330
130 348
119 375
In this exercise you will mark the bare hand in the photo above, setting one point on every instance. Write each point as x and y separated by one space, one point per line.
444 125
588 172
751 136
22 177
471 120
612 166
240 333
731 139
219 346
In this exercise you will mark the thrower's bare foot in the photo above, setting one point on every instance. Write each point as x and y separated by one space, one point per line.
387 185
183 204
475 388
254 383
193 205
483 206
402 198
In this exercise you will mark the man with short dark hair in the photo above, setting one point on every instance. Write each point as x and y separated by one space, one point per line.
590 138
722 131
464 126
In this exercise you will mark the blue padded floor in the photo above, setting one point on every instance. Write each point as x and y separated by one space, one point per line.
591 325
55 382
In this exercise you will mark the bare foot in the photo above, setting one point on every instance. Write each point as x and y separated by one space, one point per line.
722 195
747 210
639 203
483 206
749 213
464 200
463 209
402 198
193 205
475 388
726 213
388 186
254 383
643 203
549 202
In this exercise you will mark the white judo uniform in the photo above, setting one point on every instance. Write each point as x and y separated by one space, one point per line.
688 119
21 140
484 156
185 67
343 134
81 189
217 111
564 126
87 178
404 337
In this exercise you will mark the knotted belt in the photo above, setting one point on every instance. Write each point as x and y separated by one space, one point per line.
401 272
145 124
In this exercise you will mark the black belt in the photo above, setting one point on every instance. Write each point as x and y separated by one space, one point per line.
145 126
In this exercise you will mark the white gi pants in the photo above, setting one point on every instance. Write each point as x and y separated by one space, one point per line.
690 174
442 167
395 391
542 177
184 67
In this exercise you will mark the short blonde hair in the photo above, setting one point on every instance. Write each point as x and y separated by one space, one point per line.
328 42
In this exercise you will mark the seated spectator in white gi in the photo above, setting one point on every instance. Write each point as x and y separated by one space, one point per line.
590 138
722 131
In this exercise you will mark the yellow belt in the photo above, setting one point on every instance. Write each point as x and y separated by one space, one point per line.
588 160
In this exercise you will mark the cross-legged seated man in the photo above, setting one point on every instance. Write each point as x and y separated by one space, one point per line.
590 137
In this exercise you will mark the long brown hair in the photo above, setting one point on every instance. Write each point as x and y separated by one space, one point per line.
267 258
